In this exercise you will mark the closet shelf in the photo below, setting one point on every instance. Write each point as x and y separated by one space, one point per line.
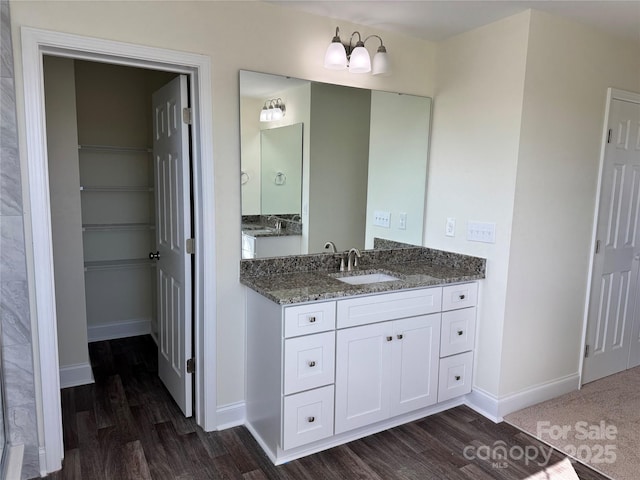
96 227
133 188
114 149
119 264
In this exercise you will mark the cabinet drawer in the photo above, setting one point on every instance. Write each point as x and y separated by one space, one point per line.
309 318
458 331
455 376
307 417
459 296
389 306
308 362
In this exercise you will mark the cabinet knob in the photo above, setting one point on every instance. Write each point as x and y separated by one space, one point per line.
389 339
311 419
400 336
460 332
312 319
457 377
462 297
312 363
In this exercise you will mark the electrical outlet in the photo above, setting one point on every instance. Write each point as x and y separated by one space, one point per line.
481 232
382 218
450 229
402 222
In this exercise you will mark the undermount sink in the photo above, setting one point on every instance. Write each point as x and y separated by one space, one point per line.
375 277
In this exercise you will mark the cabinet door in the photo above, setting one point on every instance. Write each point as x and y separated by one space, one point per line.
363 374
415 363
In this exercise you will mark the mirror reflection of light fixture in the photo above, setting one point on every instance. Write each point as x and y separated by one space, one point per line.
273 109
340 56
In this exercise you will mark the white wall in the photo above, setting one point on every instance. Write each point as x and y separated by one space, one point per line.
236 35
563 116
66 215
472 170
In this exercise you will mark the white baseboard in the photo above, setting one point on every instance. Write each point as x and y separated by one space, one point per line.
127 328
484 403
496 408
232 415
539 393
75 375
13 465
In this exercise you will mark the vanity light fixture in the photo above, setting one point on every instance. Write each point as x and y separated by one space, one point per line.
340 56
273 109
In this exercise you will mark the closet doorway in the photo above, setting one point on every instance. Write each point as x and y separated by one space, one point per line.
119 176
35 44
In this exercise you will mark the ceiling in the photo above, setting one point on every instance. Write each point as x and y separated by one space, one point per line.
438 20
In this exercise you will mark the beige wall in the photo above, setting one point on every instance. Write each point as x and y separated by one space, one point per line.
66 216
236 35
563 115
472 171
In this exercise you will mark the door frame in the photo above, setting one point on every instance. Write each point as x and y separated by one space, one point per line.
35 44
612 94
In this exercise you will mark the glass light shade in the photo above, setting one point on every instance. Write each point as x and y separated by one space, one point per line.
277 114
381 64
360 62
263 114
336 57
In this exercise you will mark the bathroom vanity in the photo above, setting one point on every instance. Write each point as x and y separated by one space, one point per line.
331 359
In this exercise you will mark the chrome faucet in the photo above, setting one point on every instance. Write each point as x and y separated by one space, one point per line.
352 258
332 246
278 222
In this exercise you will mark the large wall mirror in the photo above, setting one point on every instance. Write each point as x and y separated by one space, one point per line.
363 162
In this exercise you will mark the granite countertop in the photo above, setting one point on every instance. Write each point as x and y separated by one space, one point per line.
308 278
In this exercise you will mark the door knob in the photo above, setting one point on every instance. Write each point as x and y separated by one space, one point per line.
154 256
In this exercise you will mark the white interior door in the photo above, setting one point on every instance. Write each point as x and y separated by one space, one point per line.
614 289
173 227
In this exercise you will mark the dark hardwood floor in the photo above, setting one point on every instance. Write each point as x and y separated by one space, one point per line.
126 426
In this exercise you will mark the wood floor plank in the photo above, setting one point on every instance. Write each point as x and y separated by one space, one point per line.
126 426
136 462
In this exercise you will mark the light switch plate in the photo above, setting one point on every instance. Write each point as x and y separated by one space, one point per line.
450 229
402 222
481 232
382 218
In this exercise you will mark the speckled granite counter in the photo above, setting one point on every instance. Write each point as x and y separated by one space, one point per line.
304 278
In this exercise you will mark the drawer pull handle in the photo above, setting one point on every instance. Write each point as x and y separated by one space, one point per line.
457 377
460 332
389 339
462 297
400 336
311 419
312 363
312 319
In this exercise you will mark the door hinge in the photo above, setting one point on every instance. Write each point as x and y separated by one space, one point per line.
597 246
609 135
586 351
186 115
191 365
190 245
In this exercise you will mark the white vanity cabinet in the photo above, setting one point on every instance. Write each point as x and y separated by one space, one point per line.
390 367
323 373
